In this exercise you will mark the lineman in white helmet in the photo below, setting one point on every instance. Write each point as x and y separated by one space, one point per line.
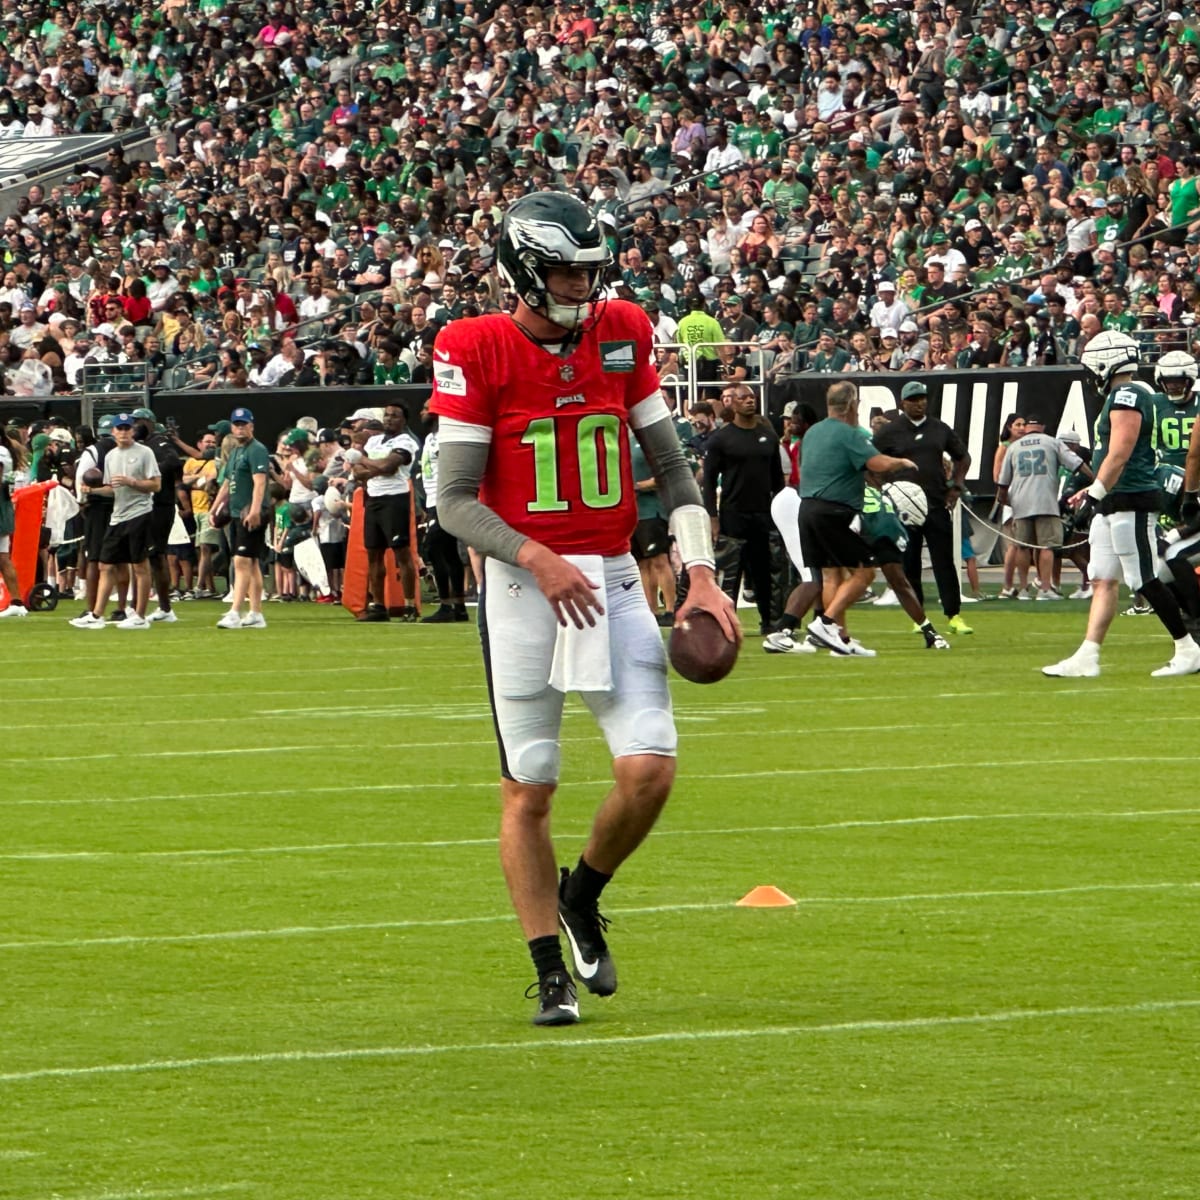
1123 504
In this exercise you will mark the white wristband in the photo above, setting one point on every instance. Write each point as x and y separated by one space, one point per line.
691 527
1097 490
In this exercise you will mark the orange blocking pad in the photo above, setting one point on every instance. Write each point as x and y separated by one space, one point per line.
354 578
765 897
28 506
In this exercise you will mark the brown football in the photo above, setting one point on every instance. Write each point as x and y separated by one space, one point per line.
699 650
218 515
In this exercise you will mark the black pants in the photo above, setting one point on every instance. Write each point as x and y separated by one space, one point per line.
754 530
938 534
441 552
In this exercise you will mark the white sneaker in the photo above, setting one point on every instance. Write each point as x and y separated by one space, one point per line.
856 649
826 634
1184 662
14 610
88 620
1075 667
1050 594
161 615
1009 593
254 621
133 621
1082 593
782 642
230 620
887 600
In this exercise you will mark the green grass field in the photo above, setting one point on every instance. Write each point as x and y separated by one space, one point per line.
255 939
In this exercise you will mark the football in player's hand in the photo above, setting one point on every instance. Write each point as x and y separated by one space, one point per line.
699 650
218 515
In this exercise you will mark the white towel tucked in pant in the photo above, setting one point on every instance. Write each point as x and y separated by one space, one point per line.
582 661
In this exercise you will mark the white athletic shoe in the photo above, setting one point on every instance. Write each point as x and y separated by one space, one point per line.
88 620
254 621
887 600
14 610
133 621
827 634
1184 662
1050 594
230 620
856 649
782 642
1082 593
162 615
1076 667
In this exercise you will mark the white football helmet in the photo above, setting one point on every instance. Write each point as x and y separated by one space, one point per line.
1175 375
1108 353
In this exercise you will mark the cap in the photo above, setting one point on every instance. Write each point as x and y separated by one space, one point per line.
363 414
327 434
105 330
1099 202
241 416
972 224
938 239
161 262
885 285
123 421
1071 437
909 327
915 388
888 334
296 437
221 428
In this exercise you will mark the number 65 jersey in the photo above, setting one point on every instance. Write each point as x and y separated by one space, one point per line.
559 467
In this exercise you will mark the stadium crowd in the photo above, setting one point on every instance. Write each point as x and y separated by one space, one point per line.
846 186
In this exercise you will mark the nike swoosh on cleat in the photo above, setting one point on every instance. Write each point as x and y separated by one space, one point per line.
585 969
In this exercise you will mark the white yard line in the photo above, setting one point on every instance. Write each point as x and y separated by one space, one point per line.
210 1189
239 935
722 831
553 1042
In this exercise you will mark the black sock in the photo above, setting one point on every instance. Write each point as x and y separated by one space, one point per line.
787 623
584 886
546 953
1187 587
1165 606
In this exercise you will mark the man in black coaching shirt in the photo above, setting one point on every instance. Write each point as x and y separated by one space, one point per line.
743 456
913 434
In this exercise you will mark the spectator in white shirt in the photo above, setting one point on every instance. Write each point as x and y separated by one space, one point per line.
887 312
163 286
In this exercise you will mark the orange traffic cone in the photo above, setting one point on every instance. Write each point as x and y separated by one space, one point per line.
765 897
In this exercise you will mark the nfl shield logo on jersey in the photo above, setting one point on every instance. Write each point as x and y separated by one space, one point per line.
514 590
566 372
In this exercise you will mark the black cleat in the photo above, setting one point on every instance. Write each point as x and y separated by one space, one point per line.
460 613
594 967
408 613
374 612
442 615
557 1002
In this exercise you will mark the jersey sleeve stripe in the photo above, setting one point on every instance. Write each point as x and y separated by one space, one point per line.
646 412
450 430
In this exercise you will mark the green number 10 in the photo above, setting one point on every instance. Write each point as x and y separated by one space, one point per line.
599 453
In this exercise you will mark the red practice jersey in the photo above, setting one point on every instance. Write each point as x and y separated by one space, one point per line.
559 468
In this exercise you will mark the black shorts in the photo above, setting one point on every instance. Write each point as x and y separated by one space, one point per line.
334 555
246 543
127 541
162 517
385 522
650 539
884 550
96 516
826 539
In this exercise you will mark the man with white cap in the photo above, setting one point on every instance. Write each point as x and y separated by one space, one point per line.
163 286
887 312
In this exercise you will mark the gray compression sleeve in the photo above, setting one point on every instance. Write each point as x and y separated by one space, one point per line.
460 468
677 485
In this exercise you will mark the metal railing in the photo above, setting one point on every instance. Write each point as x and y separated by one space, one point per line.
112 387
690 387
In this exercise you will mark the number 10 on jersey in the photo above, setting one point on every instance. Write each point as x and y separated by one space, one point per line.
598 446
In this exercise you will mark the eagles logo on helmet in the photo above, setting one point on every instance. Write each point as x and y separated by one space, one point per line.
545 230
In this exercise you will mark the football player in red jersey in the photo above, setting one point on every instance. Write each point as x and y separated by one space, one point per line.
535 412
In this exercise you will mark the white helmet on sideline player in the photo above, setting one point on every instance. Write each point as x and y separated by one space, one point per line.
1175 375
1110 353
